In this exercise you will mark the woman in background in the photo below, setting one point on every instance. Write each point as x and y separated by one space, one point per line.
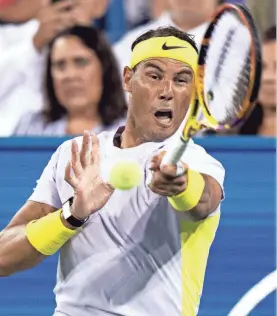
83 88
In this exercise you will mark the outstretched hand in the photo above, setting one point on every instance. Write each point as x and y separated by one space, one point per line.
83 174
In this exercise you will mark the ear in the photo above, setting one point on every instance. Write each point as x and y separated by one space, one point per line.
127 79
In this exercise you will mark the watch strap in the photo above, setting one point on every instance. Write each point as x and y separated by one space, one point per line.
72 220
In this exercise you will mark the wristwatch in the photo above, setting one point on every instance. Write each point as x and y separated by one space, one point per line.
72 220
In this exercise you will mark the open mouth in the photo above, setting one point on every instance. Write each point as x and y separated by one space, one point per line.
164 116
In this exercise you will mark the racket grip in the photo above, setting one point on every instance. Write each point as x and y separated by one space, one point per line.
174 154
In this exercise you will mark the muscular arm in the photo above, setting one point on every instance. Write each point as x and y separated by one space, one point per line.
16 253
209 200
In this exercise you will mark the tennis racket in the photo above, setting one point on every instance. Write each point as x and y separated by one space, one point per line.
227 79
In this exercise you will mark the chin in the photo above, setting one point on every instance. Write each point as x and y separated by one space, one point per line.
161 135
75 106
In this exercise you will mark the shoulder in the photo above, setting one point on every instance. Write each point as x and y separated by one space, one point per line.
104 138
20 31
30 123
197 154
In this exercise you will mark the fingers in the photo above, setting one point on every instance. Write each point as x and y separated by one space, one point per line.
89 154
168 189
61 6
167 180
174 170
75 159
69 176
159 179
85 150
95 150
169 171
156 161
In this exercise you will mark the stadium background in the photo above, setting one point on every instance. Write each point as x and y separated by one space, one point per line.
242 254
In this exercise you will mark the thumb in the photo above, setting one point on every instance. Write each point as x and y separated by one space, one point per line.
174 170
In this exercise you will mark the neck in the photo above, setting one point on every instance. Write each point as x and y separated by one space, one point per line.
77 123
186 22
130 138
268 127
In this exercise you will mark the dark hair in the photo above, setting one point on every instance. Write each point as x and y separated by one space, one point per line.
270 34
253 122
112 105
164 32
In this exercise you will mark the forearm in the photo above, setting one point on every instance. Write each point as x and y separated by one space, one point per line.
205 205
16 253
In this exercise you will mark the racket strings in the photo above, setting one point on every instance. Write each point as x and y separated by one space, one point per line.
242 86
227 68
224 53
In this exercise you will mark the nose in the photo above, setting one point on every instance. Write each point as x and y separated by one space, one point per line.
166 93
70 72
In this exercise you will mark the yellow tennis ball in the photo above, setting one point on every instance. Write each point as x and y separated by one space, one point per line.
125 175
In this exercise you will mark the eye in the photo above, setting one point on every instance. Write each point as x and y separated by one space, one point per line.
153 76
59 65
81 62
183 80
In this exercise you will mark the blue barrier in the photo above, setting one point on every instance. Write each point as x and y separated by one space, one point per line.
242 254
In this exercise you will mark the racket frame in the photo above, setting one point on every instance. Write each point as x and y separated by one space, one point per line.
199 106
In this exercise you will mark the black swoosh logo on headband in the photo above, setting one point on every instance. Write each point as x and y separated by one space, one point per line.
165 47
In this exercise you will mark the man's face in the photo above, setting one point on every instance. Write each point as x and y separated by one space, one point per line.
160 91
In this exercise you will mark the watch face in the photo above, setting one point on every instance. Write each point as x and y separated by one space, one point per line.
66 210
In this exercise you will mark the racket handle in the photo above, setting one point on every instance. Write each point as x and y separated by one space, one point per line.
172 156
174 153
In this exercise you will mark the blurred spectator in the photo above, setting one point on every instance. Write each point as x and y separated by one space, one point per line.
264 13
23 47
189 16
139 12
83 87
18 11
262 121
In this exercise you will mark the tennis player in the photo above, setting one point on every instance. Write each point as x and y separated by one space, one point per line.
140 252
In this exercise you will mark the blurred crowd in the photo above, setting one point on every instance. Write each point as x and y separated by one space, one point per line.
62 60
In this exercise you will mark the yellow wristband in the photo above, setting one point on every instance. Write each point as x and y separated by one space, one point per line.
187 200
48 234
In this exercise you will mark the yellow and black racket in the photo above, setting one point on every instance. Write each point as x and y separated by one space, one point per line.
227 79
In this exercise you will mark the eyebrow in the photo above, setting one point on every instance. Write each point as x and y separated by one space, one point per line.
187 71
151 65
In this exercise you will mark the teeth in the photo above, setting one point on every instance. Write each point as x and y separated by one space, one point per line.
165 120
